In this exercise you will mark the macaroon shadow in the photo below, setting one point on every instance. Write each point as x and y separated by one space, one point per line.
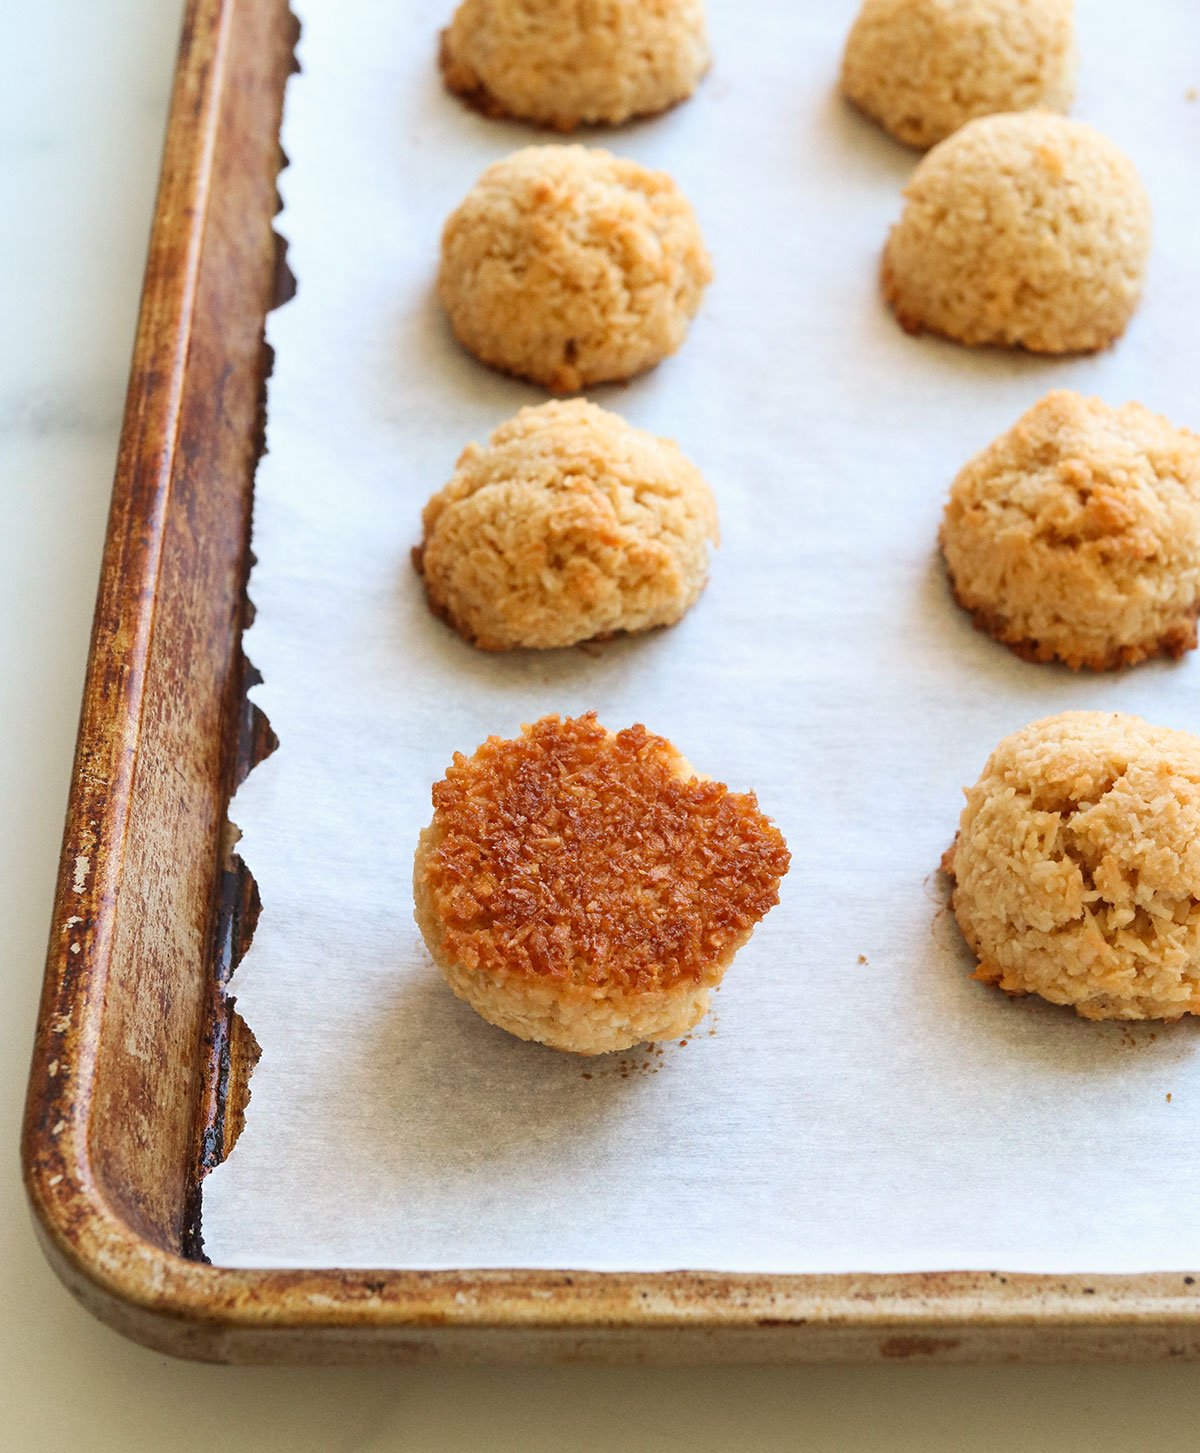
602 668
431 116
938 365
472 1095
941 625
851 136
426 334
1031 1029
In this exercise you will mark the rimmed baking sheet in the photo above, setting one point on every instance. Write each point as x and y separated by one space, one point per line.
856 1102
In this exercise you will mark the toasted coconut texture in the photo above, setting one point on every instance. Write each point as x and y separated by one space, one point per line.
1027 231
923 68
1076 535
586 889
1077 866
569 525
569 266
563 64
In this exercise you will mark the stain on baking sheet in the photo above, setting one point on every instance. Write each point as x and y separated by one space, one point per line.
230 1051
906 1347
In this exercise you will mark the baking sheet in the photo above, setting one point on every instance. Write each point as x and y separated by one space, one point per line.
855 1102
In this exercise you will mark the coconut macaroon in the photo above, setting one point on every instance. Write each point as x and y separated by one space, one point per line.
569 266
1027 231
569 525
1076 535
586 889
562 64
923 68
1077 866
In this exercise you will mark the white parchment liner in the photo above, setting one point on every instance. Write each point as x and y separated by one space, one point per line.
886 1114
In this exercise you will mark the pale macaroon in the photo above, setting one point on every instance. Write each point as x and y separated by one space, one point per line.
562 64
1075 536
586 889
569 266
1021 231
923 68
568 525
1077 866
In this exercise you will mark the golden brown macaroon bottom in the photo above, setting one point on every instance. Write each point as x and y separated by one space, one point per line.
1176 641
916 325
461 81
584 1019
587 888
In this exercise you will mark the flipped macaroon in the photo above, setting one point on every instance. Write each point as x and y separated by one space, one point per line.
1076 867
1075 536
585 888
569 266
561 64
569 525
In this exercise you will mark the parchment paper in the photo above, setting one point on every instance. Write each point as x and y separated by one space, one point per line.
856 1101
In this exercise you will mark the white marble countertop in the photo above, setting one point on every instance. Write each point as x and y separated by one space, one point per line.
81 118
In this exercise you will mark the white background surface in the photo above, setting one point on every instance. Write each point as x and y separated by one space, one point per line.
833 1114
81 112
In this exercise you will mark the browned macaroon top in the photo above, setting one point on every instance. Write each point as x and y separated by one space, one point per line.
582 856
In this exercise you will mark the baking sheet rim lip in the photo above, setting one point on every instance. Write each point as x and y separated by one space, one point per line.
127 1269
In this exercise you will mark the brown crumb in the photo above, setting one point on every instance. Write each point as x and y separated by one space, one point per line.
1168 1097
862 958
